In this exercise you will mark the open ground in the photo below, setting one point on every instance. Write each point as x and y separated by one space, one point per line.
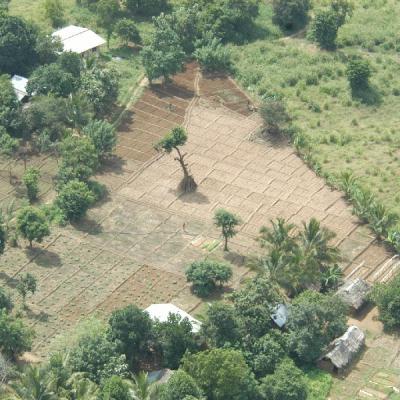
134 246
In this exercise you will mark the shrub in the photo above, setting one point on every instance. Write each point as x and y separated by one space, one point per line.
32 224
287 382
103 136
290 14
358 73
324 29
74 199
276 118
15 338
205 275
31 181
213 56
5 300
387 298
179 386
126 29
54 11
147 7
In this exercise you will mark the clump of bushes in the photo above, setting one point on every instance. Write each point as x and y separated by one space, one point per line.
274 113
291 14
207 275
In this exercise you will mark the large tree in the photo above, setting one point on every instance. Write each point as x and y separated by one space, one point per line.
387 297
222 374
15 338
51 79
32 224
97 357
164 56
174 140
100 86
74 199
108 12
286 383
179 386
10 109
17 45
174 337
255 303
291 14
132 330
314 321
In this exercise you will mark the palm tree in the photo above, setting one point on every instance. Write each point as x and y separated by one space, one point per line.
279 237
331 278
315 240
33 384
82 388
144 390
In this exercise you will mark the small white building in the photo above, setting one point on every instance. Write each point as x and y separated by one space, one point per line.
19 84
280 315
79 40
161 312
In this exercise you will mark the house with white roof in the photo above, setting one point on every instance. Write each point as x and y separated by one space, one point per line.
161 312
79 40
19 84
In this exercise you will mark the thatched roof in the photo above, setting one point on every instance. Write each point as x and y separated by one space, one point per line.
354 293
346 347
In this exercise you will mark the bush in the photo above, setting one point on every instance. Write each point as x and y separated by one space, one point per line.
358 73
5 300
126 29
324 29
54 11
97 357
179 386
276 118
103 136
146 7
74 199
287 382
15 338
291 14
31 181
115 388
387 298
32 224
205 275
213 56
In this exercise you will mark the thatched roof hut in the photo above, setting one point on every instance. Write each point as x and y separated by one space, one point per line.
343 350
354 293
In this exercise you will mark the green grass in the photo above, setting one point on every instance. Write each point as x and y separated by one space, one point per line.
346 133
319 384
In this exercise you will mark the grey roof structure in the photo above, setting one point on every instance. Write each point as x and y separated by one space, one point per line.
354 293
346 347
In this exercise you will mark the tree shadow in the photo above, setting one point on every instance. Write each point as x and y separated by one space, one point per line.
10 281
235 258
37 316
368 95
87 225
194 197
114 164
126 121
43 257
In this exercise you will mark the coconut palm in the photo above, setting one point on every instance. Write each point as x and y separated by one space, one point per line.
279 236
142 389
33 384
82 388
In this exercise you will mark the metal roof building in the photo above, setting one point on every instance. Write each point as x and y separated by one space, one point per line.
79 40
161 313
19 84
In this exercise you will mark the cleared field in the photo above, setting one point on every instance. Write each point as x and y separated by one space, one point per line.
134 247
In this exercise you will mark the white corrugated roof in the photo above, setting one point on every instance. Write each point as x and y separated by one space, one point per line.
280 315
19 84
78 39
161 313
